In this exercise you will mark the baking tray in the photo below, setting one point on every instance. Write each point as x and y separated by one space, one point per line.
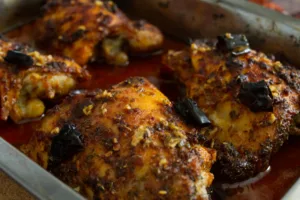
266 29
187 19
32 177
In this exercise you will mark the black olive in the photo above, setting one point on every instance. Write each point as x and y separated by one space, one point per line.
190 111
66 144
256 96
237 44
18 58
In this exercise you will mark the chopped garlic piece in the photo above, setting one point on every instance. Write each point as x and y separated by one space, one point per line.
138 135
162 192
87 110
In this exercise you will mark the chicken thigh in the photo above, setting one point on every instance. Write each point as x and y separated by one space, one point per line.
27 77
87 30
251 99
122 143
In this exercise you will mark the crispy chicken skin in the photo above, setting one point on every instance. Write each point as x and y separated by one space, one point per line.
86 30
134 146
27 77
244 138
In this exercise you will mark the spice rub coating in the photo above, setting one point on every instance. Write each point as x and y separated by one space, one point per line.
28 77
251 99
88 30
134 146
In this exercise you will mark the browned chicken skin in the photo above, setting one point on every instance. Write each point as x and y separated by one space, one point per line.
251 100
86 30
28 77
132 146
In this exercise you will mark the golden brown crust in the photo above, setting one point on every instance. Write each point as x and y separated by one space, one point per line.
22 86
134 146
244 139
78 29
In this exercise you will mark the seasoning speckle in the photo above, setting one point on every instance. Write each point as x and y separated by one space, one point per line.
87 110
55 130
83 28
163 162
98 3
128 107
103 109
162 192
77 189
115 140
105 94
116 147
138 135
272 118
108 154
278 66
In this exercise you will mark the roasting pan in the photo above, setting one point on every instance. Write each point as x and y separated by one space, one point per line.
185 19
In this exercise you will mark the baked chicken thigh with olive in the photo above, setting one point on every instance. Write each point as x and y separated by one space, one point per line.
251 99
28 77
88 30
123 143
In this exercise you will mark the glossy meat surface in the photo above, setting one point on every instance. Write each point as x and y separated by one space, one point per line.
134 146
244 137
88 30
25 85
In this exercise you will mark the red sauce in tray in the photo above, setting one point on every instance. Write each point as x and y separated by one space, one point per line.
285 165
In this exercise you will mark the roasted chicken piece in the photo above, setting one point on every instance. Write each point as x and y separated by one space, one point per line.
251 99
28 77
88 30
122 143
